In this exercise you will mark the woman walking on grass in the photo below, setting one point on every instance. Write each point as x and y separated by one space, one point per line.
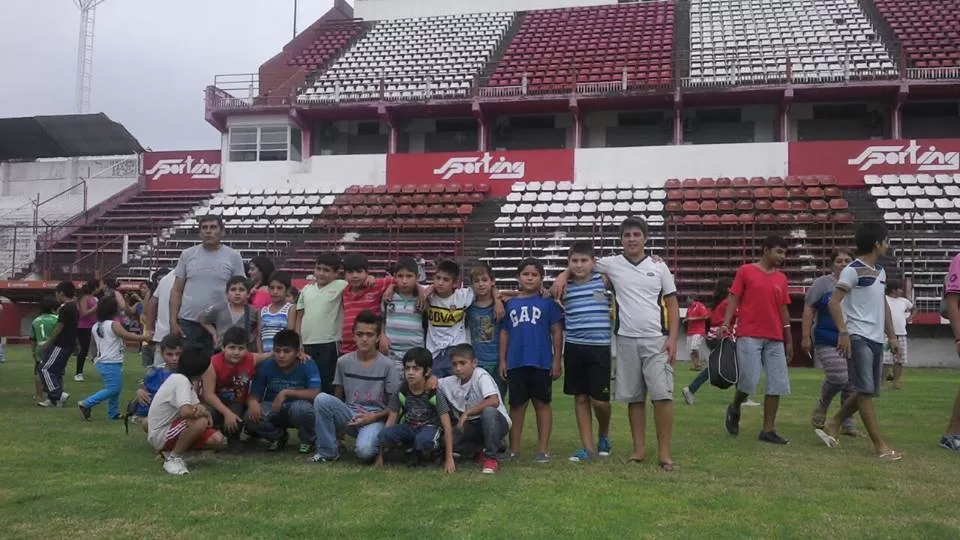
718 306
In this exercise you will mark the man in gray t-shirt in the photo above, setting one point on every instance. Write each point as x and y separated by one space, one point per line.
201 277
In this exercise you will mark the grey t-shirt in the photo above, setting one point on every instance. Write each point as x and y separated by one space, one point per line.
367 387
820 286
220 316
205 274
416 409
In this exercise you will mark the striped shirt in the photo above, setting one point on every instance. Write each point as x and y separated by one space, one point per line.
404 324
587 308
271 323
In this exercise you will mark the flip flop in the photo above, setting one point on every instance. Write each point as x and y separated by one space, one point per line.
890 455
827 439
668 467
636 460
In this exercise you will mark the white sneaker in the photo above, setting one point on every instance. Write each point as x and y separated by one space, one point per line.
750 403
46 403
78 377
175 466
63 399
687 395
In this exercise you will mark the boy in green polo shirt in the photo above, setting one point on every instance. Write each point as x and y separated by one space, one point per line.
320 317
40 331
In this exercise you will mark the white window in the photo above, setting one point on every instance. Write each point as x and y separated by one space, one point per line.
265 143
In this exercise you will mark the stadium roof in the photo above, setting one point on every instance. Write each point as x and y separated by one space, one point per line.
76 135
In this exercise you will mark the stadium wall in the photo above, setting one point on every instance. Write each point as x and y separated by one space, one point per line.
375 10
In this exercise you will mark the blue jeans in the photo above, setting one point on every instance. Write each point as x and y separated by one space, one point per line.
194 334
332 415
865 365
112 374
442 363
272 426
701 378
423 439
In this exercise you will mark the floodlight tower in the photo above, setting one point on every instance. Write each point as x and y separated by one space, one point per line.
88 10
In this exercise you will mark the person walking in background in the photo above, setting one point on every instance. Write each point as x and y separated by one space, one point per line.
697 317
951 299
719 307
902 310
87 307
259 270
819 342
764 342
200 278
863 317
60 346
156 316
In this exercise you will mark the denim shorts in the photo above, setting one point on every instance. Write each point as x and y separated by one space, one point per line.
865 365
757 354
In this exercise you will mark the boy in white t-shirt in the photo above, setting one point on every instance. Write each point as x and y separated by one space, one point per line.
446 315
177 421
901 311
476 406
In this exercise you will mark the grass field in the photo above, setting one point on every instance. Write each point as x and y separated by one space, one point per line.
61 477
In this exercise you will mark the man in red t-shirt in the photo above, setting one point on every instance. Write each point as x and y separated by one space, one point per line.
226 382
697 316
759 297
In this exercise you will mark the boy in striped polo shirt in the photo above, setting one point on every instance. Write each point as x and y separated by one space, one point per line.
404 322
586 352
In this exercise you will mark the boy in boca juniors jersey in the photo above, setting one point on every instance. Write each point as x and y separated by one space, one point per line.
446 314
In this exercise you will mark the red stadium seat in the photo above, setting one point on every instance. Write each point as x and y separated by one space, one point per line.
692 219
706 182
674 207
726 205
758 181
691 206
724 182
691 194
675 195
689 183
708 206
838 204
775 181
672 183
818 205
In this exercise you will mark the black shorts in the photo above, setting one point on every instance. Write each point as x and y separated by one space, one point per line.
586 370
526 383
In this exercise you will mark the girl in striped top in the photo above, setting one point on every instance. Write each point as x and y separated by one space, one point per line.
109 336
279 315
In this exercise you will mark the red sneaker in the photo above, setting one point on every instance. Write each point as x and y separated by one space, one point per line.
490 466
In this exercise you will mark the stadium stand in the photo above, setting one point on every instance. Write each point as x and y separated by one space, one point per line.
763 40
929 31
626 45
413 58
542 219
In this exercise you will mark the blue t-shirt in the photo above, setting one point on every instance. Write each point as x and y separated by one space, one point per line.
153 379
270 379
825 332
482 325
587 312
528 322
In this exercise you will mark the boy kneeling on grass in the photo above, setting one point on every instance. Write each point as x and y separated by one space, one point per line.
171 347
177 422
481 418
282 395
226 383
423 414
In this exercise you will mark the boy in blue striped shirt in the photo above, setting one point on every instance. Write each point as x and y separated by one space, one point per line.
404 323
586 351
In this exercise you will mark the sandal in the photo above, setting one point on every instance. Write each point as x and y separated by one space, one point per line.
634 459
827 438
668 466
890 455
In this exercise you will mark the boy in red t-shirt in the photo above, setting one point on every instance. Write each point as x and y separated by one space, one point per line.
226 383
362 294
759 297
697 315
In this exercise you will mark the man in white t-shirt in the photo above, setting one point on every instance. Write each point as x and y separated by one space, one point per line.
477 407
156 314
901 311
649 326
177 422
863 318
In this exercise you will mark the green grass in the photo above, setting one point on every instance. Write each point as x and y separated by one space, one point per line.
60 477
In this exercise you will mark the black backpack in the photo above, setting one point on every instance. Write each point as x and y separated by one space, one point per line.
722 364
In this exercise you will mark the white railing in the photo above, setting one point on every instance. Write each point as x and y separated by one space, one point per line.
501 91
933 73
601 87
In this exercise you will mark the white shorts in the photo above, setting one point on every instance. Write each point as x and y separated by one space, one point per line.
889 359
695 342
